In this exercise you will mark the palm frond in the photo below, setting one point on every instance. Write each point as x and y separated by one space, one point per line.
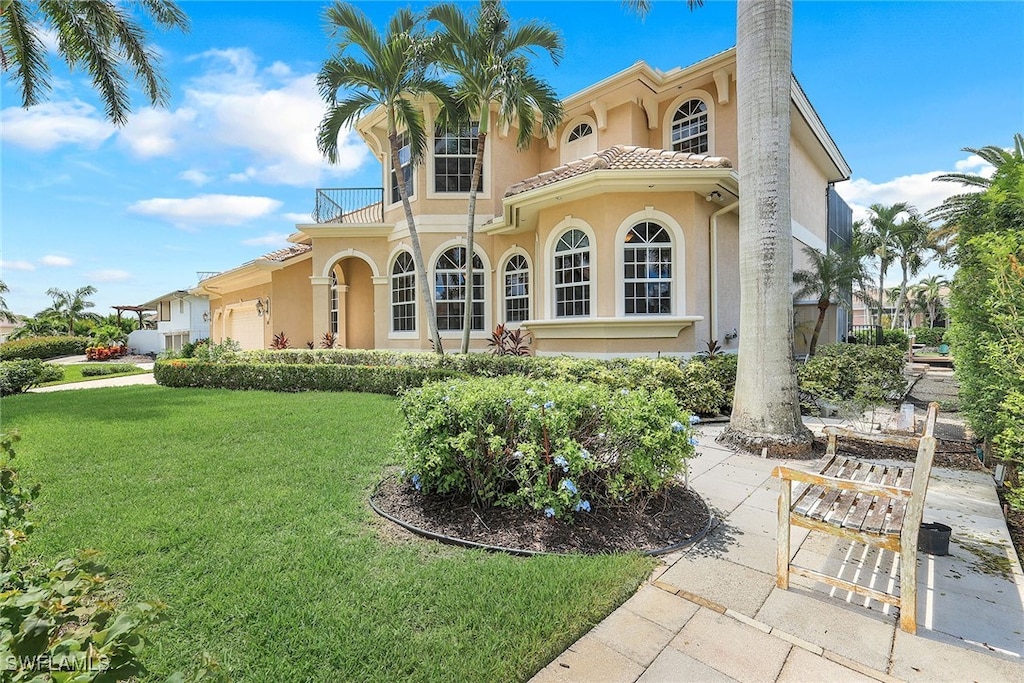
21 45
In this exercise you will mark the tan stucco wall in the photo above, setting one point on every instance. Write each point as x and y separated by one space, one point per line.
291 305
359 304
219 310
807 192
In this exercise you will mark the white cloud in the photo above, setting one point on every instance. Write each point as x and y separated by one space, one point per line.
206 209
51 124
156 132
195 176
271 239
16 265
109 275
919 189
297 217
57 261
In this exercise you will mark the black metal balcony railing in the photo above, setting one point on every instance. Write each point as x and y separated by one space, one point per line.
349 205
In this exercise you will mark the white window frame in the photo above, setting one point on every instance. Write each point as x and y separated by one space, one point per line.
333 305
482 272
392 276
556 235
388 173
485 176
675 232
531 286
577 149
640 252
670 113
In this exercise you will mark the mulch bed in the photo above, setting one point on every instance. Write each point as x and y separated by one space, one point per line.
953 454
669 519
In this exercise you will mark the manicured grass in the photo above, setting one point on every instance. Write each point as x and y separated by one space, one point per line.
246 512
73 373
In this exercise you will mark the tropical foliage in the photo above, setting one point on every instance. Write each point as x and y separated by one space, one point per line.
489 57
830 276
389 71
100 37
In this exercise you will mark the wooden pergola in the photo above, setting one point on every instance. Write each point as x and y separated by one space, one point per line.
139 310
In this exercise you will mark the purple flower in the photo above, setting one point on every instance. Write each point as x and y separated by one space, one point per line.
694 442
562 462
549 405
677 426
623 391
584 453
416 482
518 455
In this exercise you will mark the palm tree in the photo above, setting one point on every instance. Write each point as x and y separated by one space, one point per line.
70 306
883 237
5 313
830 276
766 409
100 36
43 324
930 292
952 209
912 241
393 75
489 58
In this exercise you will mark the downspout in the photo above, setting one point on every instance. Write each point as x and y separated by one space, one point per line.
713 265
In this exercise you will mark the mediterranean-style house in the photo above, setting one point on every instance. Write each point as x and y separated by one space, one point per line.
617 235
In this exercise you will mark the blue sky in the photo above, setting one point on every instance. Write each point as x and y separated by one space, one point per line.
223 173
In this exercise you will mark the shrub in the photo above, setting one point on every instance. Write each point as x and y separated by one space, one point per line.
188 349
552 446
862 375
723 369
929 336
102 353
280 341
225 352
18 376
43 347
292 377
51 372
112 369
508 342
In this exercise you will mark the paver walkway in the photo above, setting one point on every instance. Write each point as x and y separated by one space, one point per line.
713 612
126 380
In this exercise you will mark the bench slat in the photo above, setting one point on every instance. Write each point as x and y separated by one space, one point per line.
862 503
881 506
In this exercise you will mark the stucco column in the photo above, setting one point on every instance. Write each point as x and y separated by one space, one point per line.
342 340
321 287
382 310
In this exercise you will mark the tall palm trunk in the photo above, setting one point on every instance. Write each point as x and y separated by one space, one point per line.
427 294
883 266
478 168
902 301
766 410
823 306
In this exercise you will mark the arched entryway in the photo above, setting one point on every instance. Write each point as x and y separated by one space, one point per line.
351 303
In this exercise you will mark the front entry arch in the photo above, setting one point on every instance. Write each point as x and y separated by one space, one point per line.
355 311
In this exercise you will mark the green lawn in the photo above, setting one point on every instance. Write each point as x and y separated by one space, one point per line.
246 512
73 373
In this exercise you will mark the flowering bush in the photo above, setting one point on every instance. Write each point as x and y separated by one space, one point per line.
105 352
555 447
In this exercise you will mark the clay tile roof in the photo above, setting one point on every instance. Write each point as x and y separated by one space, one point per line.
287 253
620 157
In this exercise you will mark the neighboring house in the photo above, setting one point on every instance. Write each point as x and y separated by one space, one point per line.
181 317
617 235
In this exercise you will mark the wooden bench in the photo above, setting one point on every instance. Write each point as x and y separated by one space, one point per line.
878 505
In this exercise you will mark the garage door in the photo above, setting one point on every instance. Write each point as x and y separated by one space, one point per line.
246 328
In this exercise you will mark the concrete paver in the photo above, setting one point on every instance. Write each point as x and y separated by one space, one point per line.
589 659
920 658
719 581
802 666
673 666
666 610
633 636
736 649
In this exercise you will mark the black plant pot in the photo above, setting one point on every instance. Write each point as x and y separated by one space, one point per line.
934 538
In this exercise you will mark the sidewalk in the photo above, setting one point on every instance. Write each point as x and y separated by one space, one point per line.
126 380
713 612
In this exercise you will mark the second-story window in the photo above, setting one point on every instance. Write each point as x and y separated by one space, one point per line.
454 156
690 127
405 168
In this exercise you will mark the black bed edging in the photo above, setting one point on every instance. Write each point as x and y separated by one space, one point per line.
522 552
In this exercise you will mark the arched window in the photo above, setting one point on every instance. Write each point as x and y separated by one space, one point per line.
647 270
334 303
572 275
580 141
690 127
450 290
405 162
517 289
403 294
580 131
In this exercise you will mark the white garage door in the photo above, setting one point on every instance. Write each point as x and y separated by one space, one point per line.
246 328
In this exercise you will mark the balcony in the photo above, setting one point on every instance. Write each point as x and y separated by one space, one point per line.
349 205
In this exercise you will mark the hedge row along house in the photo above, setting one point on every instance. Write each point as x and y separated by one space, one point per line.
617 235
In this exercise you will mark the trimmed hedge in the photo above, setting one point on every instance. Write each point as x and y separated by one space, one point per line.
43 347
295 377
694 384
929 336
110 369
863 375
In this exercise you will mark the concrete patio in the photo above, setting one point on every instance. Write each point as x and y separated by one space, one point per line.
713 612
